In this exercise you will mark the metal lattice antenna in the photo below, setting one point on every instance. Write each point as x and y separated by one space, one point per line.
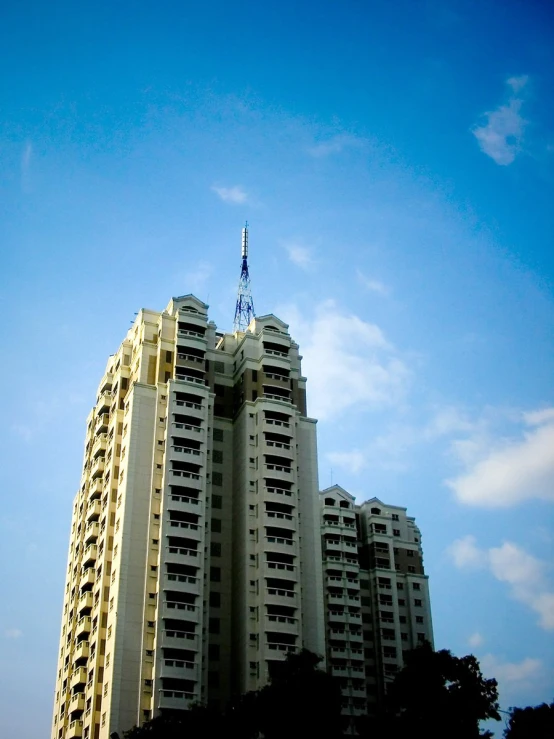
244 311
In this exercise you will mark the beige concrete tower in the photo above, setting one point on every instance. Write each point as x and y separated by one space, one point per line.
376 595
194 557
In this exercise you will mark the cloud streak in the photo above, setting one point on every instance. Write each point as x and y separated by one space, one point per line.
341 350
335 145
235 195
299 255
510 471
510 564
501 134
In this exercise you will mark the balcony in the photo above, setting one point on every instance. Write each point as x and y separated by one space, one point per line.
100 445
280 596
277 518
184 377
180 475
77 702
85 599
87 578
95 489
176 609
90 555
97 467
278 447
278 359
92 532
185 504
275 426
102 423
275 569
283 648
179 669
185 527
192 409
268 395
182 583
191 430
184 556
79 677
286 494
176 699
189 455
279 472
75 729
284 624
104 402
84 626
279 544
179 639
81 650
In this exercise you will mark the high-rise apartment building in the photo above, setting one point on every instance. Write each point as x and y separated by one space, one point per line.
195 550
376 595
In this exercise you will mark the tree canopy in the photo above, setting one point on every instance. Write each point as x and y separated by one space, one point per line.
437 694
531 723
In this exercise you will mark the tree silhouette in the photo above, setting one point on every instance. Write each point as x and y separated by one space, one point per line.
437 694
531 723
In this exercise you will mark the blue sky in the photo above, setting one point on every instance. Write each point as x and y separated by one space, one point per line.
396 164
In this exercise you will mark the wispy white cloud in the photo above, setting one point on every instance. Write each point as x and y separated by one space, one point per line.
195 280
509 471
475 640
336 144
299 255
353 461
13 633
235 195
501 134
341 350
26 157
509 563
373 285
512 676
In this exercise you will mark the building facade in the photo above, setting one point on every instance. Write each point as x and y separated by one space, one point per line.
376 595
195 556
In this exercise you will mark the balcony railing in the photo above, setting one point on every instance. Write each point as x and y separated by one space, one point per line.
188 404
184 473
187 427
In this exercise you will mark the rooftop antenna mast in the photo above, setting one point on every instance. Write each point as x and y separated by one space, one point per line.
244 311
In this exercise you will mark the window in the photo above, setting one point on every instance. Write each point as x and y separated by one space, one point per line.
419 619
396 532
215 574
213 652
214 625
411 568
401 602
418 602
399 586
217 501
395 517
420 636
217 456
216 525
215 599
218 434
168 356
416 586
215 549
409 552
